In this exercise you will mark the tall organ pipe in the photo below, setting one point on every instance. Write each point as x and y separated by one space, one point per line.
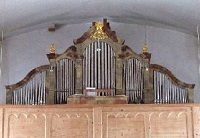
65 80
133 80
103 61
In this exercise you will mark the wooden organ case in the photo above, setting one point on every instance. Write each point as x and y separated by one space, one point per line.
100 60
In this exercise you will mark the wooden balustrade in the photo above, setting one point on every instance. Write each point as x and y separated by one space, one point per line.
100 121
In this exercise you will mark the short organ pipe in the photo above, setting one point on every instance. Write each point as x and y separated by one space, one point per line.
166 91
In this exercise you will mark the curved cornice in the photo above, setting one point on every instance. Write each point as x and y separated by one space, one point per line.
28 77
171 76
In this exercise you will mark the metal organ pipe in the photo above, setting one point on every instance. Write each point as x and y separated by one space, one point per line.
62 77
92 65
31 93
113 74
64 80
96 50
99 64
108 69
88 68
166 91
128 74
102 62
133 80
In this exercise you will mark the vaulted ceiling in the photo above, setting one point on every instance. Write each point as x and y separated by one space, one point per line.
19 16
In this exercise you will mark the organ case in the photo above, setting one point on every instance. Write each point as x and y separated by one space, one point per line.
99 59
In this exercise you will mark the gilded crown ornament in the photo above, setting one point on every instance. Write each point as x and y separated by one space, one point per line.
99 33
52 49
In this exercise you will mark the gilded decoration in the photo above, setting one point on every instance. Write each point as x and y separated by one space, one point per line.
145 48
99 33
52 49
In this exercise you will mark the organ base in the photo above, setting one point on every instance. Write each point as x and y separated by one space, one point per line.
79 99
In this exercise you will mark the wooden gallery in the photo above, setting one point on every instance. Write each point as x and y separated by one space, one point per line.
100 88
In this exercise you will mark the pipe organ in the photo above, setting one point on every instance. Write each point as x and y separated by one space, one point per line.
100 60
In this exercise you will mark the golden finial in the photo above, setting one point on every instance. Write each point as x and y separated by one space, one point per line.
145 48
52 49
99 33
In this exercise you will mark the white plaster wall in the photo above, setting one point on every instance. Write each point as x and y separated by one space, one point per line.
175 50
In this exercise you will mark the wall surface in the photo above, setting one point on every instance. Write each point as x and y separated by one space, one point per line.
100 121
175 50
